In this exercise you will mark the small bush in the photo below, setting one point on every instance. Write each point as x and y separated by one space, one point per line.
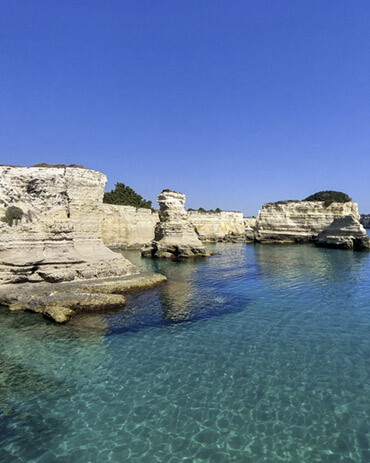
11 214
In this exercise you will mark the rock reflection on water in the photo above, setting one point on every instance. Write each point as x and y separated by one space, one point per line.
223 363
184 297
177 293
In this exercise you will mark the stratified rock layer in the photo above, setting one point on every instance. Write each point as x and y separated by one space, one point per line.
52 258
60 301
58 237
344 233
298 221
128 226
175 235
218 226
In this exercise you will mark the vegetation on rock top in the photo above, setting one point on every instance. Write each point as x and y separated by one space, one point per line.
201 209
123 195
11 214
44 164
329 197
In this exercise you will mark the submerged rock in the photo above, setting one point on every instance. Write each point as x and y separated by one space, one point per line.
175 234
344 233
60 301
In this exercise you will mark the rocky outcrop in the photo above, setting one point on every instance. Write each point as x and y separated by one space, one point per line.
365 220
249 229
298 221
344 233
175 234
50 232
61 301
127 226
218 226
57 237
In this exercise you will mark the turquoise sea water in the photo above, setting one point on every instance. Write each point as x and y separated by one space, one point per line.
258 354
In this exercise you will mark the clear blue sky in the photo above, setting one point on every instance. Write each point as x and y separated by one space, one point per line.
233 102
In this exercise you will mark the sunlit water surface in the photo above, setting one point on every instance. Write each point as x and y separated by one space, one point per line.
258 354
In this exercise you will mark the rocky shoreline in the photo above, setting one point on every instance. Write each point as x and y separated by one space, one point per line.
53 260
61 301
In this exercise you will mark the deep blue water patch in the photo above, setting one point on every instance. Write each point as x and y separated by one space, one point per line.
258 354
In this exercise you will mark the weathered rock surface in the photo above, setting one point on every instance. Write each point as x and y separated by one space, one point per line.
344 233
52 258
249 228
298 221
130 227
218 226
365 220
60 301
58 236
175 235
127 226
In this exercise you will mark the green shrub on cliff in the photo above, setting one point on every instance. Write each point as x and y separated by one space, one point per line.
201 209
125 196
329 196
11 214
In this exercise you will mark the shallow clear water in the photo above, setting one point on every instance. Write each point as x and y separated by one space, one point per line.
258 354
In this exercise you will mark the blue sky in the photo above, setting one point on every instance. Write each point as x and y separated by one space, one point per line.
233 102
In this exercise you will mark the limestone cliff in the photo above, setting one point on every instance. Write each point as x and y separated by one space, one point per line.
57 237
127 226
344 233
130 227
175 235
298 221
218 226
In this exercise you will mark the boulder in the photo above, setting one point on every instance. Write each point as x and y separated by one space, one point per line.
344 233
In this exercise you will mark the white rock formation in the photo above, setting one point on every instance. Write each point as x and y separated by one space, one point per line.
249 228
218 226
127 226
175 235
344 233
298 221
58 236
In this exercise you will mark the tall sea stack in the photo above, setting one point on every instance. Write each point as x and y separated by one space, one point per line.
175 235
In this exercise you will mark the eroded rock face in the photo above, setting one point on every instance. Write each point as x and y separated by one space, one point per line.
298 221
175 235
128 226
344 233
58 236
218 226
